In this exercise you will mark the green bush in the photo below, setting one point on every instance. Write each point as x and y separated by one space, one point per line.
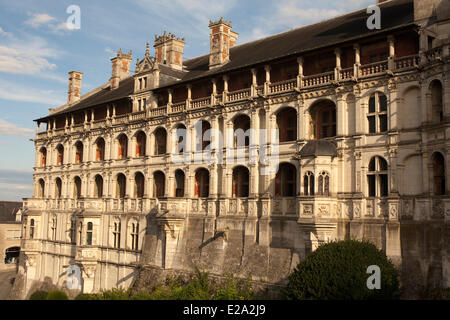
115 294
337 271
57 295
88 296
39 295
233 289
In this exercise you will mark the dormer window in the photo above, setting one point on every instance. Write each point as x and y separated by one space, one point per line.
140 84
145 82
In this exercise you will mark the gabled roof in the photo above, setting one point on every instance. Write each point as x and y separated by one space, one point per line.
8 210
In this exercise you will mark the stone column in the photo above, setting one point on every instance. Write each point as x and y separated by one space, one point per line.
395 101
300 62
254 82
391 59
337 70
267 83
357 60
341 129
225 88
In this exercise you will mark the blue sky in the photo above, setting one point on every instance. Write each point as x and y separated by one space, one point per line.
37 51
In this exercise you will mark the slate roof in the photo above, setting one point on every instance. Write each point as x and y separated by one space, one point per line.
318 148
8 210
395 14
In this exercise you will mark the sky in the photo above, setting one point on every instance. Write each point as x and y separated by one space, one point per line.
37 51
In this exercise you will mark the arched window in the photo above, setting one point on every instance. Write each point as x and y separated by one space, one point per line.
89 231
180 139
241 181
160 141
325 119
122 152
179 183
437 109
241 129
58 188
134 235
140 144
286 180
43 155
324 184
377 115
121 186
116 234
201 183
60 155
308 184
12 255
32 226
159 184
438 174
78 152
98 186
139 181
100 150
41 188
77 188
203 135
287 124
377 177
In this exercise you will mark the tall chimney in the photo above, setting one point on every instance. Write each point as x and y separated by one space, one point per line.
74 93
120 68
169 50
221 40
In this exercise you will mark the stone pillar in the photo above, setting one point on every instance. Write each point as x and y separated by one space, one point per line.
254 82
341 129
267 83
170 94
300 62
225 88
395 102
391 58
189 96
229 182
357 60
337 70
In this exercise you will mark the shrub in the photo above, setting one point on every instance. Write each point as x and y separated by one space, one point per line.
337 271
88 296
39 295
57 295
233 289
115 294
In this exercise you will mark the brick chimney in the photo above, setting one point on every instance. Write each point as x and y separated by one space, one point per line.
169 50
74 93
221 40
120 68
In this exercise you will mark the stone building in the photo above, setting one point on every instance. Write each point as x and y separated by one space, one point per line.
10 234
247 158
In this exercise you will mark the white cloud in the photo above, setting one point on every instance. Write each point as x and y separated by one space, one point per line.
19 92
39 19
10 129
27 56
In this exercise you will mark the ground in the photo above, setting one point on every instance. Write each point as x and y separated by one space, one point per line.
5 283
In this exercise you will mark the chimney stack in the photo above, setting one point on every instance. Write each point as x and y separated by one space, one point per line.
74 93
120 68
169 50
221 40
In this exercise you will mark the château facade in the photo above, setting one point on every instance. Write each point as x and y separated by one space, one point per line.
244 160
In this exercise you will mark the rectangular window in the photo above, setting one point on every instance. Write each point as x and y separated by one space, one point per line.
372 127
383 185
383 102
383 123
89 238
372 104
140 83
372 192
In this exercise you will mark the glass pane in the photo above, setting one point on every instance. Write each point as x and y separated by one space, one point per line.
383 123
371 182
383 102
383 185
372 128
372 104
